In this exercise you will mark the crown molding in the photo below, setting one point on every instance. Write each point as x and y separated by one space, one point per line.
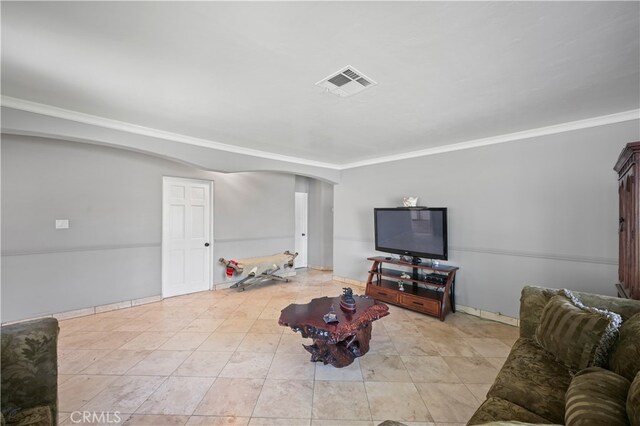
48 110
79 117
509 137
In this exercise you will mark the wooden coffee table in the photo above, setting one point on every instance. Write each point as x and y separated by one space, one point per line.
338 343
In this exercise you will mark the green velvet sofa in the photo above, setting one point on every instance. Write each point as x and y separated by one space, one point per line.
532 386
29 373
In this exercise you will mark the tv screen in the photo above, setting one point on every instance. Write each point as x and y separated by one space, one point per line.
412 231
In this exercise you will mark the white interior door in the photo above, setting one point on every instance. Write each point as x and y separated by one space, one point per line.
186 236
301 229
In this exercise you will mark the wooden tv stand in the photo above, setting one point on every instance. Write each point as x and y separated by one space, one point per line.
421 292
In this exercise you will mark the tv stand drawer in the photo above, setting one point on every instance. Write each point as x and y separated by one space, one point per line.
382 293
428 306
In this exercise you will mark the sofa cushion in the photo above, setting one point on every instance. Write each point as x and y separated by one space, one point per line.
625 355
532 378
37 416
498 409
597 396
633 402
578 336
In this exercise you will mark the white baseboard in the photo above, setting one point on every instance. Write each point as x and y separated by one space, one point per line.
489 315
350 281
60 316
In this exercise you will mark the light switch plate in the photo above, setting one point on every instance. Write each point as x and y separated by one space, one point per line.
62 223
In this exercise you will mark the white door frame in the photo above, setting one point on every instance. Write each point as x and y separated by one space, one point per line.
165 181
300 259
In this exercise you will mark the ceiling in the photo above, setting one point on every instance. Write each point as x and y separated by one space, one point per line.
244 73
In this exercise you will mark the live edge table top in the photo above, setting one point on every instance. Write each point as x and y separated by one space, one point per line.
308 317
336 343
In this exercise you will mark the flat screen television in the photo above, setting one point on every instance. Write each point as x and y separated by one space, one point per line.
419 232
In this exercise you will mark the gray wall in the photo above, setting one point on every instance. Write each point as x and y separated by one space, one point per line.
113 198
541 211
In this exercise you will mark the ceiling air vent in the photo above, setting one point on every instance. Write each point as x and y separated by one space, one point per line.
346 82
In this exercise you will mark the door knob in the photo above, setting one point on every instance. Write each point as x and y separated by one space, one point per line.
206 244
304 235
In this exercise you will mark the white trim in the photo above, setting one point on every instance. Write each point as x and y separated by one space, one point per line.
79 117
509 137
125 304
48 110
488 315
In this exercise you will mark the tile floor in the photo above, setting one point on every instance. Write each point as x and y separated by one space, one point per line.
220 358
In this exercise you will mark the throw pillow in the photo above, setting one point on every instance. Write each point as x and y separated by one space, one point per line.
633 402
625 355
578 336
596 397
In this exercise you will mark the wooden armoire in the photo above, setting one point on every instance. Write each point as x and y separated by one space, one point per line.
628 168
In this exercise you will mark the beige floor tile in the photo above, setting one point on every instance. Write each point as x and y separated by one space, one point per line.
259 343
236 325
479 390
247 365
184 340
270 313
266 421
204 325
203 364
497 362
382 344
405 405
135 324
411 346
472 369
453 347
124 394
291 366
95 418
266 326
63 378
80 389
156 420
82 339
438 330
222 342
448 402
148 340
429 369
383 368
292 343
104 324
142 330
177 395
72 361
489 347
351 372
230 397
330 401
171 323
217 421
400 327
509 341
116 362
159 363
114 340
285 399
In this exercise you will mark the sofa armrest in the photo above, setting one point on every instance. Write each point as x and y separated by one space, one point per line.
29 367
532 301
